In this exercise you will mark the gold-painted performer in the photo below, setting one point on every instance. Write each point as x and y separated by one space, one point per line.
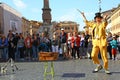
98 40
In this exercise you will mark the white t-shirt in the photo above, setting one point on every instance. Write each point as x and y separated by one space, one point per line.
69 40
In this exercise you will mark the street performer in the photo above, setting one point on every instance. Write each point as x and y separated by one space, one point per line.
99 41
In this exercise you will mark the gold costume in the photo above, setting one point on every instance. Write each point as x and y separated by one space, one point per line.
99 42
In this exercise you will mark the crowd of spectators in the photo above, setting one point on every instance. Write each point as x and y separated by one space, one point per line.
68 45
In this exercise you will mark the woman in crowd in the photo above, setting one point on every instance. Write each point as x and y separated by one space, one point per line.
28 46
35 44
55 43
20 47
4 47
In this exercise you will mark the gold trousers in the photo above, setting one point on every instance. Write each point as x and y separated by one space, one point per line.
103 51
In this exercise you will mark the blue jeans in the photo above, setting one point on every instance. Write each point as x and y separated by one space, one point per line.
20 52
17 54
4 53
35 51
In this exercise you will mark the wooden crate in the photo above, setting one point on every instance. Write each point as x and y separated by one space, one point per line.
48 56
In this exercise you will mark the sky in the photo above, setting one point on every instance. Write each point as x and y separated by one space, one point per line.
62 10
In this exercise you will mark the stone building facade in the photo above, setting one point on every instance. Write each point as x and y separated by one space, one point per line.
68 26
10 19
25 26
115 21
30 26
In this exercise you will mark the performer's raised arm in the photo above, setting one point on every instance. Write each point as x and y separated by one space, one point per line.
88 23
105 20
83 15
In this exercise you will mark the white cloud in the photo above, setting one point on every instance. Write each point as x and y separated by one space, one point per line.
19 4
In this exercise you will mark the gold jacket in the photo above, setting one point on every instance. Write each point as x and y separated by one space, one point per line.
101 32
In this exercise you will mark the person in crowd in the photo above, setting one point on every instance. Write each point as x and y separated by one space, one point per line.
82 46
76 45
69 45
11 46
49 43
16 38
63 38
59 47
38 38
4 47
98 40
43 43
86 42
20 48
55 43
72 46
89 47
28 46
35 44
10 32
109 47
114 44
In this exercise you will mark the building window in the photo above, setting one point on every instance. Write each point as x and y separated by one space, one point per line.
13 25
68 28
65 28
76 29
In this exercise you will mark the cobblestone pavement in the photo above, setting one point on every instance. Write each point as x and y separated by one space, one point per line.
64 70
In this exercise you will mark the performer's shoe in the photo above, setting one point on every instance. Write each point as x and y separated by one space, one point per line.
107 71
98 68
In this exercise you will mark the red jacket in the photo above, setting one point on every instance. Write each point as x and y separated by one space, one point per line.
78 41
28 42
75 41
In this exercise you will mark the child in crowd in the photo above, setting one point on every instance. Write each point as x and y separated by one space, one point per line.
113 43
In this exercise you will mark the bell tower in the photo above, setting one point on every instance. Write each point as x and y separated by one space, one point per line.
46 15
